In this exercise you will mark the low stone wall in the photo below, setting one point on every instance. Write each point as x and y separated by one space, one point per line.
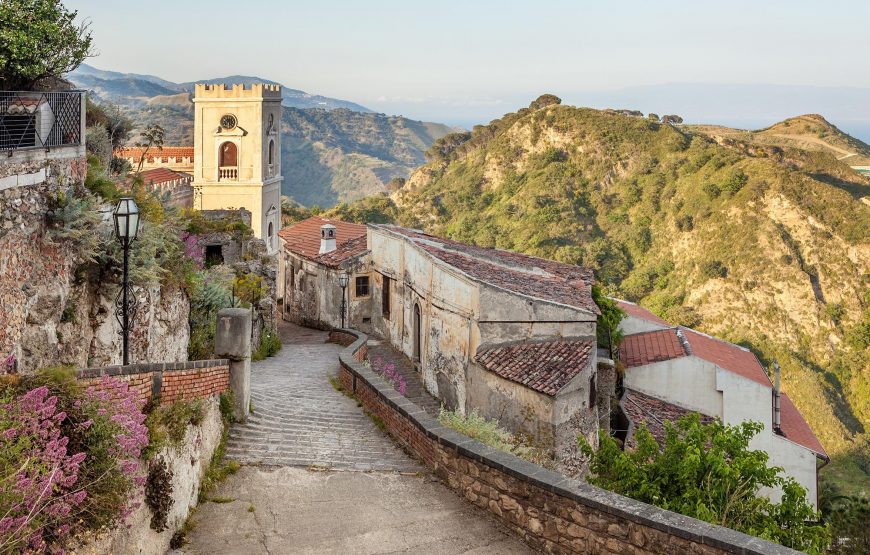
550 511
167 382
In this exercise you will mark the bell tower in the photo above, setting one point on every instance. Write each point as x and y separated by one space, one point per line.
237 153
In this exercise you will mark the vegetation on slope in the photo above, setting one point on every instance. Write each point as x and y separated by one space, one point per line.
767 247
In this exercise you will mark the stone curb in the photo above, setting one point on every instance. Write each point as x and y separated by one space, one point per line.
585 494
132 369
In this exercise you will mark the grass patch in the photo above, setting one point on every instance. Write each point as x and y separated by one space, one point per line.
220 499
270 344
488 432
250 508
168 425
219 468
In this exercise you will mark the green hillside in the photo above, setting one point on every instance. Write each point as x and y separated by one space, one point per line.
765 247
332 156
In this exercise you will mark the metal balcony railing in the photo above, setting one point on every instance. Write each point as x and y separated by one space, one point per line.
31 120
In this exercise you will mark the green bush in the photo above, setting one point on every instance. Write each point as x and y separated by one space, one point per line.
167 425
270 344
708 472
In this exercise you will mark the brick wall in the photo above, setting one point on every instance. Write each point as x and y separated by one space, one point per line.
548 510
170 382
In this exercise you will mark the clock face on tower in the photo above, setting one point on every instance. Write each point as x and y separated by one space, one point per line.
228 121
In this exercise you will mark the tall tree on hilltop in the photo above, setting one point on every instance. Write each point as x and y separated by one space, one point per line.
39 39
152 136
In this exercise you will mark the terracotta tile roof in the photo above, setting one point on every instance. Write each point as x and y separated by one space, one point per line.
135 152
796 429
641 408
303 238
728 356
161 175
519 273
652 346
544 366
639 312
348 249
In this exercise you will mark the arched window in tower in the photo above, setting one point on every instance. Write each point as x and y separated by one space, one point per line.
270 234
228 161
271 151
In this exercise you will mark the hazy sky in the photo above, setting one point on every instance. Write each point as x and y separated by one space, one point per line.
454 59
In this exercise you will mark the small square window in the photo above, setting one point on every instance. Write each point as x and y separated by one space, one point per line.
361 286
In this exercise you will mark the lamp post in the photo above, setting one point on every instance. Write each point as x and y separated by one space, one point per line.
342 281
126 217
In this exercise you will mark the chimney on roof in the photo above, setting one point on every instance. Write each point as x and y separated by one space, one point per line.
327 238
777 405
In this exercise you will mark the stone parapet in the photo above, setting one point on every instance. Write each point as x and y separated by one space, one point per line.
548 510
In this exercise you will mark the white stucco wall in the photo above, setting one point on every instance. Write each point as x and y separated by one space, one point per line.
631 325
686 381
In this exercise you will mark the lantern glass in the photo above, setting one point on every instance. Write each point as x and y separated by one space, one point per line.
126 216
343 279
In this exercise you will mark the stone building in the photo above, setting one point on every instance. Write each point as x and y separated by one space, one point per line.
671 371
175 158
170 184
315 252
510 335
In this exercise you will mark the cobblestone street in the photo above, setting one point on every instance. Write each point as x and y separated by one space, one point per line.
300 420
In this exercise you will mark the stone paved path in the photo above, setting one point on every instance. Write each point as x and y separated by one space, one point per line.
300 420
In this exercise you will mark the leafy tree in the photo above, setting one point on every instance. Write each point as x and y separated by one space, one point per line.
653 117
607 327
151 137
708 472
39 39
671 118
848 517
545 100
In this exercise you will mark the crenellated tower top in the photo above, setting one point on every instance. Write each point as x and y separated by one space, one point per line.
203 91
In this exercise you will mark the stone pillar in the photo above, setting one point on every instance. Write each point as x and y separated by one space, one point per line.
233 341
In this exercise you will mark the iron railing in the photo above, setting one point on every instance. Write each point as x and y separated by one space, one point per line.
40 119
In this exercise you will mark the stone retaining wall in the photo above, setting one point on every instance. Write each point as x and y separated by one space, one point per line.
548 510
168 382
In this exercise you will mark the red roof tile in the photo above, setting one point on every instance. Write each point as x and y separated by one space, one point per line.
641 408
639 312
161 175
544 366
520 273
303 238
725 355
649 347
796 429
348 249
135 152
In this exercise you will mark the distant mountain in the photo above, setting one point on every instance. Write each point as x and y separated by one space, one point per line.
116 86
808 132
333 150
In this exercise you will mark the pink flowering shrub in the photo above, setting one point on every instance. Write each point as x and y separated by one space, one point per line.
40 478
389 372
192 249
68 459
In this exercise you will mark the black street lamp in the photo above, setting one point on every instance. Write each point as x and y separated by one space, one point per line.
126 216
342 281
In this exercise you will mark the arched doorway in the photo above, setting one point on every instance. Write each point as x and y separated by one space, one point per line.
229 155
418 335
